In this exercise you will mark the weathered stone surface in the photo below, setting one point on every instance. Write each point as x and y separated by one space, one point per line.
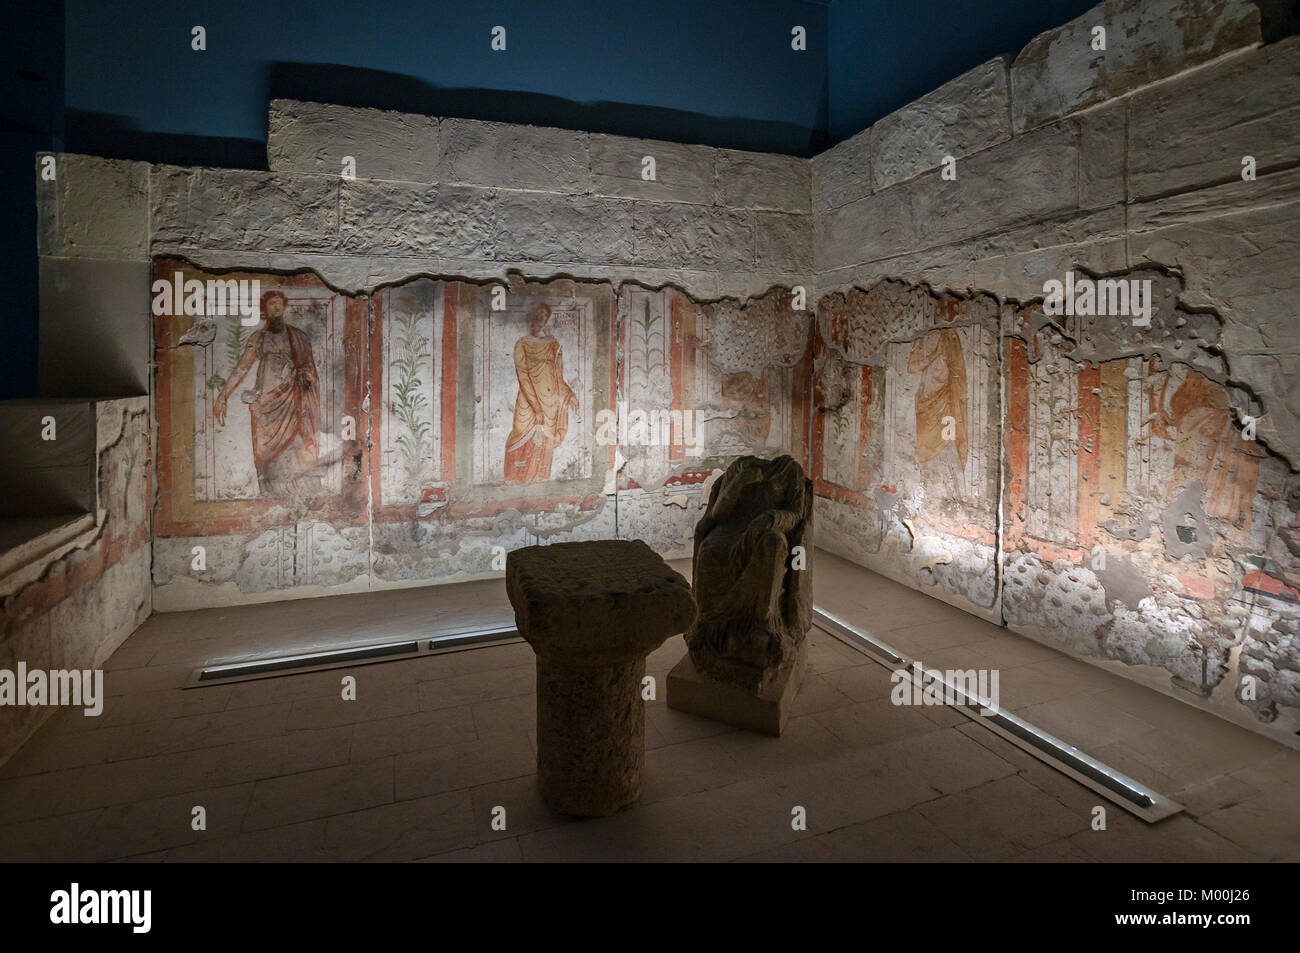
1230 198
563 228
1101 133
592 611
1193 131
94 208
70 608
692 236
381 217
1031 178
315 137
235 208
762 181
753 574
841 174
504 155
358 274
765 711
961 117
761 333
683 173
876 226
1059 72
783 242
596 603
1243 265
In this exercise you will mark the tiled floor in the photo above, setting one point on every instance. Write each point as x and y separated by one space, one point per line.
414 767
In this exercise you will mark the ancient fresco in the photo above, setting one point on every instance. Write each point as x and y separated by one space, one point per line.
411 320
268 400
534 360
699 385
1139 511
906 436
1141 522
416 433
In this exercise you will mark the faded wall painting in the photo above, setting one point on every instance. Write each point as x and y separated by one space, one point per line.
1139 524
410 321
534 363
383 439
699 385
1141 519
262 454
905 436
412 434
269 399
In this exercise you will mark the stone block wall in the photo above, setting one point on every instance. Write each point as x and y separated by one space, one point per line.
70 606
1082 477
93 245
388 234
480 200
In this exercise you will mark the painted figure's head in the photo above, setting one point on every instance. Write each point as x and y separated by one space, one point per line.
537 323
273 305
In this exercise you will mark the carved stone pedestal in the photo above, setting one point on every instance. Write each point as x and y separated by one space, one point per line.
592 612
764 708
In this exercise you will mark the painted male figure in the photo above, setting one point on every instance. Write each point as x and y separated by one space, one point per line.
286 411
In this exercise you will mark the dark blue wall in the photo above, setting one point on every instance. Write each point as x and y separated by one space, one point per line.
31 120
885 53
719 72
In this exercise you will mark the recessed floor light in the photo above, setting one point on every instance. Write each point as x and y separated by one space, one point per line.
224 672
1132 795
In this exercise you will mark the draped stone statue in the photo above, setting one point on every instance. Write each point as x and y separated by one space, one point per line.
753 586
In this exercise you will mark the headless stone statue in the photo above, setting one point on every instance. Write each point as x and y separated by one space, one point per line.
754 592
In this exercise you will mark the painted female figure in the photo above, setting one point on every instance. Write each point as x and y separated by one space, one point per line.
542 406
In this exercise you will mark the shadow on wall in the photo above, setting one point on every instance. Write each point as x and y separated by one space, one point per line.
120 137
357 86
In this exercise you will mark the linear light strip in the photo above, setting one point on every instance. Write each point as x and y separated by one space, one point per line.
279 662
302 662
1050 749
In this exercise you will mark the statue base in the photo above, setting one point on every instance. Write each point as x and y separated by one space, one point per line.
765 711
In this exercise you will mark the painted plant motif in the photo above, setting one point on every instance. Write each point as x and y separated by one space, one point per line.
407 400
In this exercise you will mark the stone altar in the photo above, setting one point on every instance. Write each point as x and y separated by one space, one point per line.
593 611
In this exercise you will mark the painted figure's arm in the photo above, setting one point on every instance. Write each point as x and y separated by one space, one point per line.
246 360
570 399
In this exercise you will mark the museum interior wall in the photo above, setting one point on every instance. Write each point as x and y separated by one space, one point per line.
446 426
1122 487
500 335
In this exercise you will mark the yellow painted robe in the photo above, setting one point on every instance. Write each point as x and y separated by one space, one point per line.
541 410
